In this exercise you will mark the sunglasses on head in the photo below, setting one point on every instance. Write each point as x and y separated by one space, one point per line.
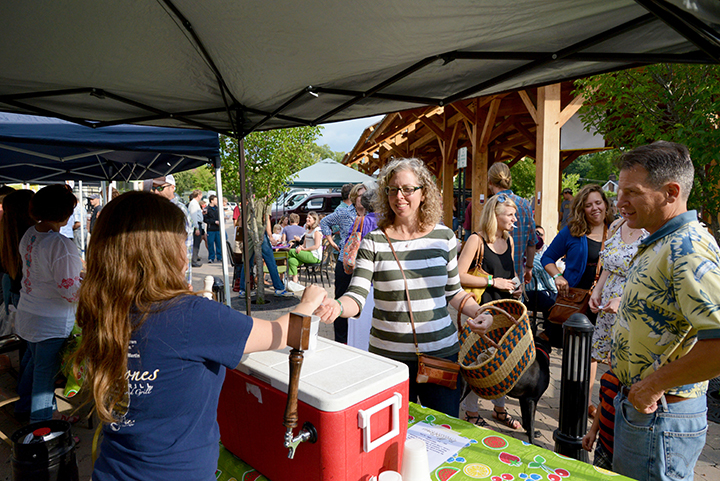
502 198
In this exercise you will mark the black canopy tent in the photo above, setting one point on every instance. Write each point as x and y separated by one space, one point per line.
235 67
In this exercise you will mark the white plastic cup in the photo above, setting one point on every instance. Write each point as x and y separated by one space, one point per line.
390 476
209 280
415 466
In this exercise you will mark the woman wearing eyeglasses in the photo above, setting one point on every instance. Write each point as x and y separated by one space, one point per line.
497 220
408 207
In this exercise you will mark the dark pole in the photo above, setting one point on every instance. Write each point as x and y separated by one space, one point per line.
574 385
243 212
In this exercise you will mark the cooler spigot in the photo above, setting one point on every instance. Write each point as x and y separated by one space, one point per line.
298 338
307 433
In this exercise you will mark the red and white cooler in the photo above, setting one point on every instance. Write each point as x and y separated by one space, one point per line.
357 402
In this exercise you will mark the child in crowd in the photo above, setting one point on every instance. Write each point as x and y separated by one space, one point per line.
603 426
276 235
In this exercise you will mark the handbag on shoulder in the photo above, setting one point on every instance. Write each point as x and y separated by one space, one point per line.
478 271
576 300
431 369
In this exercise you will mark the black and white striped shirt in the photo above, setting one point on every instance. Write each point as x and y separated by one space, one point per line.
430 265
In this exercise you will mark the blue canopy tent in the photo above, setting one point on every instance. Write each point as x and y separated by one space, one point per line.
45 150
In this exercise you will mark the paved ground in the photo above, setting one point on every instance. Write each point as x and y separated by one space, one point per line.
708 466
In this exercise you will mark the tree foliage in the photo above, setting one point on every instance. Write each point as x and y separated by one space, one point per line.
523 178
200 178
322 152
678 103
595 168
271 159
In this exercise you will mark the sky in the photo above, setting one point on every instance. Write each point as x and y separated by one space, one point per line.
342 136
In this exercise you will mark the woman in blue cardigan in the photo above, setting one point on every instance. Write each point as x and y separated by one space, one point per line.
580 241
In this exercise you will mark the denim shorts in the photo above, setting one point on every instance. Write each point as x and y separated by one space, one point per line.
664 445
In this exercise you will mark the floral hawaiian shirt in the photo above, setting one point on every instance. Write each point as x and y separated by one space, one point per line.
671 300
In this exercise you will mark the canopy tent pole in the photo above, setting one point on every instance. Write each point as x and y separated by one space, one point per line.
244 219
223 242
83 221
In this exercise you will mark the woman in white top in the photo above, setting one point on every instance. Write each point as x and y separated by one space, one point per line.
310 252
46 313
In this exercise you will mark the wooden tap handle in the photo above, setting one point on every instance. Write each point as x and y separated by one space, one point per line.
298 336
291 408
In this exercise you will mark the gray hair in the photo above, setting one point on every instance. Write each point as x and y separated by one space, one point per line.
664 162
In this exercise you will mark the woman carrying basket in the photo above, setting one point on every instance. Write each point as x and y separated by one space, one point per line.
408 204
492 248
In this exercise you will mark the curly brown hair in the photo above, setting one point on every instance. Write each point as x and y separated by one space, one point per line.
135 263
430 208
578 224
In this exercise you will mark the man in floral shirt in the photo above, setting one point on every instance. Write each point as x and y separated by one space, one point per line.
667 332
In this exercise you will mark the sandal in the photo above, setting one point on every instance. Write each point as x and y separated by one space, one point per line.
476 420
505 418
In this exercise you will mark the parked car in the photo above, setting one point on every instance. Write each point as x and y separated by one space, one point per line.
322 203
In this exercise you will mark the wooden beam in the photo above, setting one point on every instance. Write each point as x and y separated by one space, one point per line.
448 173
529 105
547 165
502 128
463 110
432 126
489 123
525 132
570 109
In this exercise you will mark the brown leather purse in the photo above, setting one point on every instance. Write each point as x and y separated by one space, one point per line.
431 369
576 300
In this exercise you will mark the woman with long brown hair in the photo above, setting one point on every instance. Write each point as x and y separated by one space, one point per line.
154 354
580 241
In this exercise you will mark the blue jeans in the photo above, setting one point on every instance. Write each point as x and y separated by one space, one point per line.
434 396
269 258
664 445
214 245
36 388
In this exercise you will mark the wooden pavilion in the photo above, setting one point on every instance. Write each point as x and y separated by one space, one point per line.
495 128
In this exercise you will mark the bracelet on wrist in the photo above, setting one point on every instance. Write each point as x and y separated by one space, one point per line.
491 282
341 307
556 276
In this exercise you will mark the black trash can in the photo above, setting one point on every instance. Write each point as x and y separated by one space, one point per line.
44 451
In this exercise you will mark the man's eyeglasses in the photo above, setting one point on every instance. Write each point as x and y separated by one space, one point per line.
539 234
160 188
407 191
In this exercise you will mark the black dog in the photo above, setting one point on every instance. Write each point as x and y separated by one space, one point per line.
531 386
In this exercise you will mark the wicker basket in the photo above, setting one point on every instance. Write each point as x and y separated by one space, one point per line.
511 335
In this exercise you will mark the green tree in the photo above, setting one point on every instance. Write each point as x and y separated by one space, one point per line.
594 168
201 178
322 152
678 103
523 178
271 159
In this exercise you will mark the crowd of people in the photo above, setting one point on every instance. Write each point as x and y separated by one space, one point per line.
652 272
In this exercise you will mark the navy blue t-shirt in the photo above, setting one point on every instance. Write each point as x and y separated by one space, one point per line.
176 368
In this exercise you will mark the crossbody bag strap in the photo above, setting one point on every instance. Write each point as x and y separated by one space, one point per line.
597 267
407 292
480 252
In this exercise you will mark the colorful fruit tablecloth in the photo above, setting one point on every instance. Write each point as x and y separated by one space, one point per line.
493 456
489 455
